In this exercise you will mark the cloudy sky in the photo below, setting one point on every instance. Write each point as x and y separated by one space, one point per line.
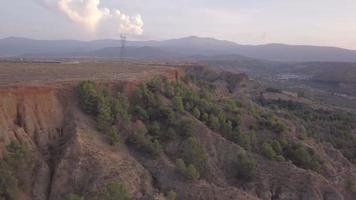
316 22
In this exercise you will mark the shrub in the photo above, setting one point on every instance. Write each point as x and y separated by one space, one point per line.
268 151
88 94
213 122
178 104
180 166
120 107
141 113
277 147
105 116
245 167
230 105
113 135
155 129
8 183
186 127
74 197
145 143
244 140
193 153
302 157
16 151
170 134
196 112
192 173
115 191
226 127
171 195
189 172
155 85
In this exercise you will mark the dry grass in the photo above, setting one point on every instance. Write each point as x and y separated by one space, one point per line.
43 73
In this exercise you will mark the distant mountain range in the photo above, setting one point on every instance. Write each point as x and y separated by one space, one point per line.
168 49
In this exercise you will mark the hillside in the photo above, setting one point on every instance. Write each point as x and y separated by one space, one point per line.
157 132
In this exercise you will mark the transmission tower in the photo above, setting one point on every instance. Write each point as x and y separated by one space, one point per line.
123 48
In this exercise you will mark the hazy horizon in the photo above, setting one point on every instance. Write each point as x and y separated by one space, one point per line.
316 22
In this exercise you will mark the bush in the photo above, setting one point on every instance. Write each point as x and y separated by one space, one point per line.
192 173
180 166
189 172
268 151
196 112
186 127
277 147
302 157
75 197
244 140
170 134
171 195
88 94
105 117
226 128
245 167
113 135
16 151
115 191
193 153
144 142
8 183
178 104
120 107
155 129
213 122
141 113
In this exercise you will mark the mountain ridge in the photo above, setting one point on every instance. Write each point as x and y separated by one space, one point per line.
188 46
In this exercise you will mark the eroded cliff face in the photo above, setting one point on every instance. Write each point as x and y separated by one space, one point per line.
66 151
68 155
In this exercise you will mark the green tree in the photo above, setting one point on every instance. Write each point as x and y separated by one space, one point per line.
88 94
196 112
192 173
115 191
113 135
243 139
227 127
268 151
193 153
155 129
105 116
245 167
189 172
186 127
180 166
214 122
120 107
141 113
277 147
178 103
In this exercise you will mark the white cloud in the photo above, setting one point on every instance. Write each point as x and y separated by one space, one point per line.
90 15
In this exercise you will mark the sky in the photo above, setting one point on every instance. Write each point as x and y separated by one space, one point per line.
312 22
